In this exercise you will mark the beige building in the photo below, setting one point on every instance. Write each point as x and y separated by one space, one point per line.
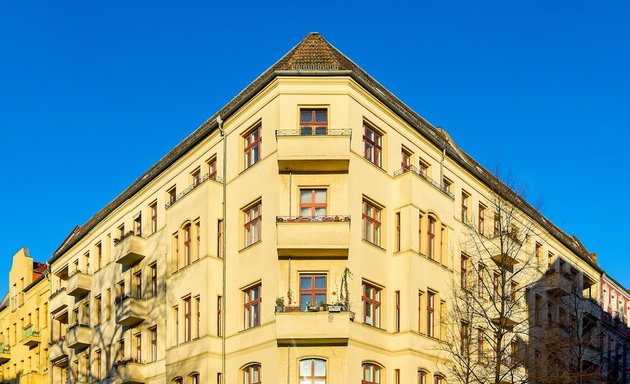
346 216
24 323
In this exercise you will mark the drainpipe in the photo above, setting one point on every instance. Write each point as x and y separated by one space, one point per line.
223 246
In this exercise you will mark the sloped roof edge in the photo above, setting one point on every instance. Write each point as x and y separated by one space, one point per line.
315 56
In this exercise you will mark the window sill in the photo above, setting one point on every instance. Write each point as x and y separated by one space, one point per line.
374 245
374 327
251 166
248 247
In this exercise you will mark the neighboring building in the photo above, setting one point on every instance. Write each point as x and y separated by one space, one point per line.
615 302
352 200
24 331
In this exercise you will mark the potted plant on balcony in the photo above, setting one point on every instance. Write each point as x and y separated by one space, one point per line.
279 304
322 305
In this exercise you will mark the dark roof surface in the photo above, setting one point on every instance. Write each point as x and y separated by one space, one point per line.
315 56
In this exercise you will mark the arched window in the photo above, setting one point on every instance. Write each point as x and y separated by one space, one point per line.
178 380
438 378
194 378
312 371
251 374
187 243
422 376
371 374
431 237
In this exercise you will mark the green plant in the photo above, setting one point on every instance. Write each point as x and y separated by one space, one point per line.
344 292
279 301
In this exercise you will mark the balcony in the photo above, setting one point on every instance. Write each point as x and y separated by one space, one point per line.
57 353
32 336
558 284
321 236
312 328
5 353
130 249
58 301
79 284
505 261
328 151
128 371
415 181
131 310
79 336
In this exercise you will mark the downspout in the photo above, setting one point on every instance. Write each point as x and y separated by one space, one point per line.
223 246
442 168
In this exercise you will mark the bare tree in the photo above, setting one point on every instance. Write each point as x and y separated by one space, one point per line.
489 314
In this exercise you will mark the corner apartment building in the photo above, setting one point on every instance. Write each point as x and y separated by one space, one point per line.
345 219
24 323
615 331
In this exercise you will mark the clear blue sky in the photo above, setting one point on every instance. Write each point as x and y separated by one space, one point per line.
92 93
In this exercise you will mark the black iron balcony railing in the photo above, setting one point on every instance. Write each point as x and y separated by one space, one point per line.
423 175
196 182
312 219
316 132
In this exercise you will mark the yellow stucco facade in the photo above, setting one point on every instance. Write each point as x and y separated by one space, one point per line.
24 327
333 194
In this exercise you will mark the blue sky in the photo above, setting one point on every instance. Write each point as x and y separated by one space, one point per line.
92 93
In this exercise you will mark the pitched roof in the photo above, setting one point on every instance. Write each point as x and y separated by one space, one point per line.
315 56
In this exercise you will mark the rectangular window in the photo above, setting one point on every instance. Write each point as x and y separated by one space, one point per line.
187 319
253 224
371 223
423 167
108 304
496 295
175 247
447 184
431 314
171 195
312 290
397 233
219 316
187 244
98 365
480 344
538 251
465 203
197 317
464 339
481 220
513 291
154 215
99 256
481 269
313 121
372 145
538 303
137 224
405 159
212 168
252 300
464 271
371 305
153 333
253 142
197 235
137 284
195 176
97 308
397 311
176 324
153 282
431 238
220 238
137 340
497 225
313 202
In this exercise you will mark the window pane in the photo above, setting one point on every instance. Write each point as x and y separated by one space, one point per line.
307 212
306 116
320 195
305 367
320 211
321 116
305 283
320 368
320 130
305 301
320 282
320 298
305 195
